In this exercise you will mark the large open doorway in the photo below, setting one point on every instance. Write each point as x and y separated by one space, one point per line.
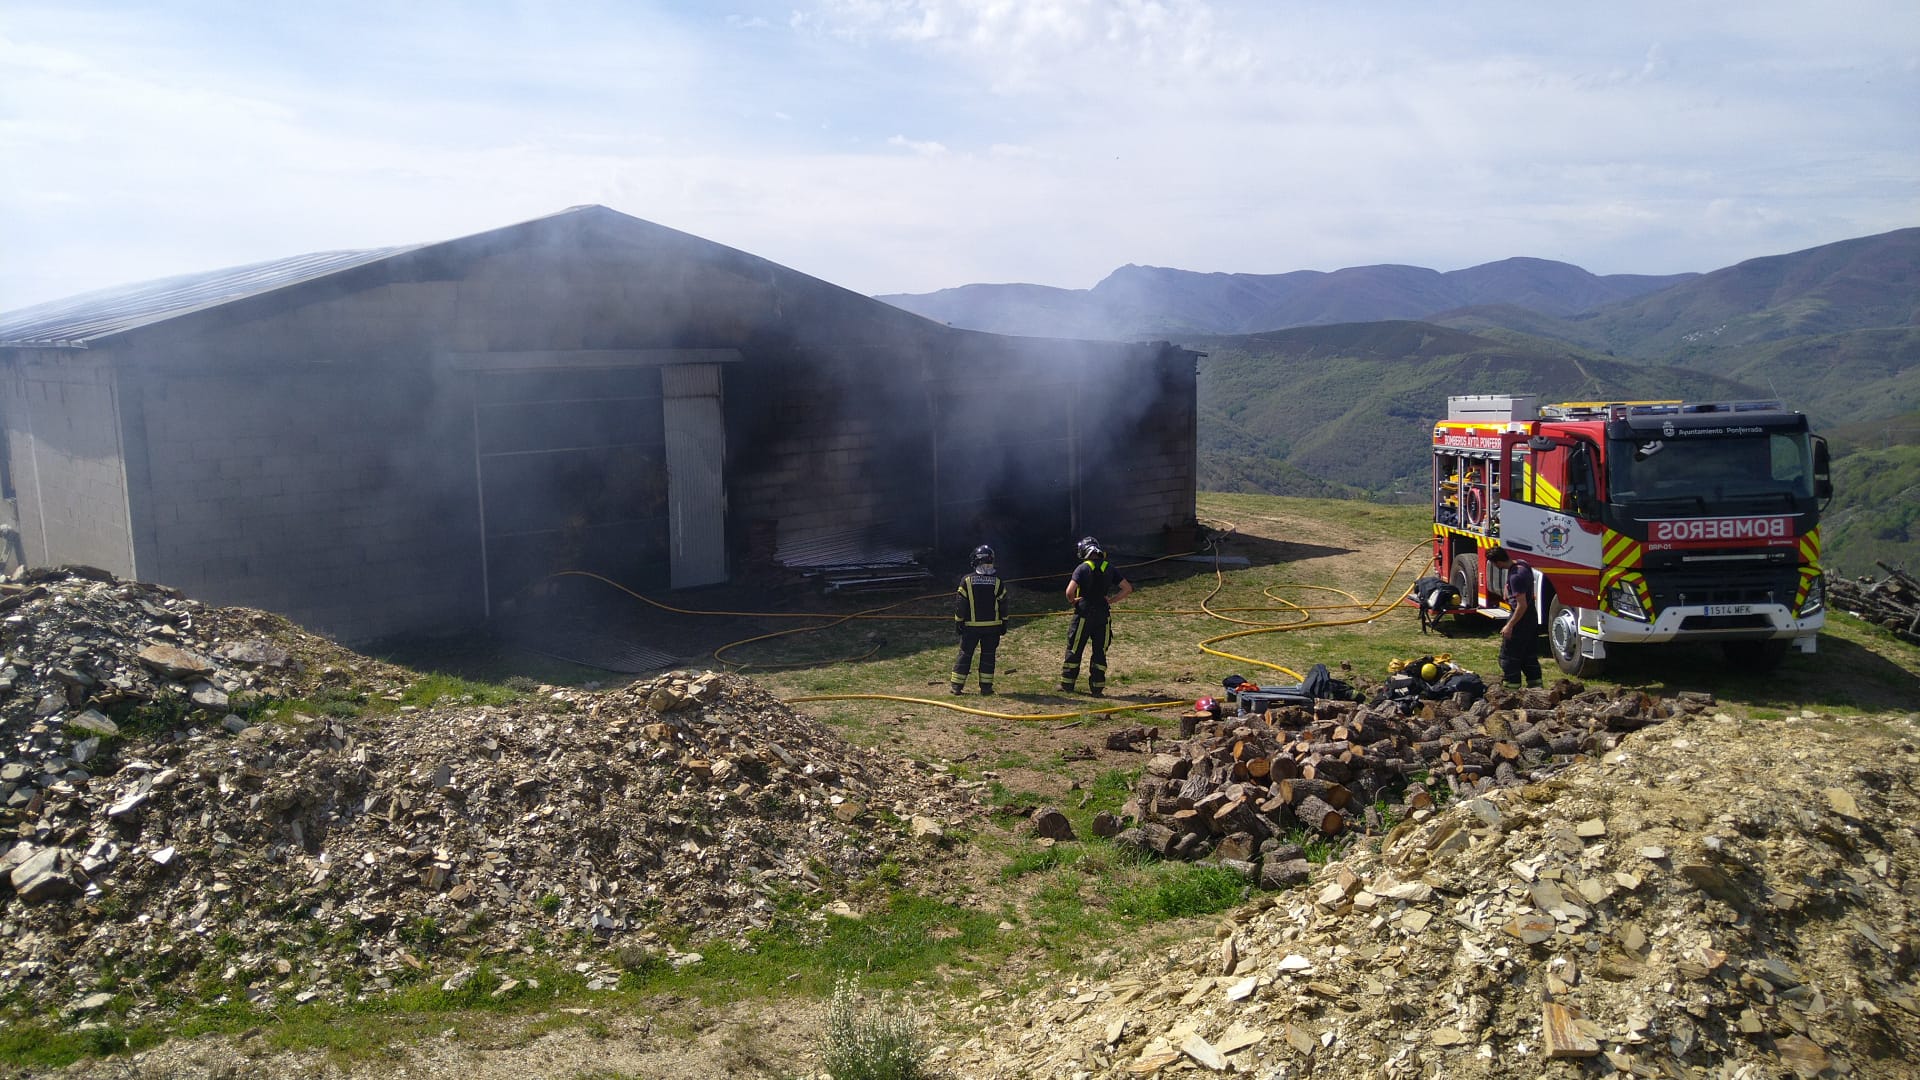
573 476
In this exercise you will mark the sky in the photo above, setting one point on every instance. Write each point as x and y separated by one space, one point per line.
913 145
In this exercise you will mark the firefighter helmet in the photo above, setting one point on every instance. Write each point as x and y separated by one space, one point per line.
983 556
1088 547
1429 671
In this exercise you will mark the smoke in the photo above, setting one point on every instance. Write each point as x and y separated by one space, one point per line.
407 443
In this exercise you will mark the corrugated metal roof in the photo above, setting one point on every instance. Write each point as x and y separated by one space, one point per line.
73 322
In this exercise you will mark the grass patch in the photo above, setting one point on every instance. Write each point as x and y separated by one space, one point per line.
1319 848
35 1046
1036 861
1181 890
907 940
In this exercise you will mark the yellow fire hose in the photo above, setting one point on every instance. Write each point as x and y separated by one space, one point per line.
986 712
1305 620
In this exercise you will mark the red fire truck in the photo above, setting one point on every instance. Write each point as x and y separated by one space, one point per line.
1645 521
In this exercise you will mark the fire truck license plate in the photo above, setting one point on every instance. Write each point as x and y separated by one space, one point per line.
1729 609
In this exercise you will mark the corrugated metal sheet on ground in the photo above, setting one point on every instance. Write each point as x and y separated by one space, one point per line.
74 321
853 561
850 548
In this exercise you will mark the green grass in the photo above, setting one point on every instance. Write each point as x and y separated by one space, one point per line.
1180 891
1037 860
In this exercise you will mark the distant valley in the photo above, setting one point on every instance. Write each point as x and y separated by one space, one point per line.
1327 383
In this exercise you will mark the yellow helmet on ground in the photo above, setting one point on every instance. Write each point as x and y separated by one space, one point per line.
1429 672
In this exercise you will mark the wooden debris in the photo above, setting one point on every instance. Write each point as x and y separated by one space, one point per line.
1893 602
1239 783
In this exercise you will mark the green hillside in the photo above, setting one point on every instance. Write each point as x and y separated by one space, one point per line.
1851 285
1830 330
1352 406
1875 514
1874 434
1837 378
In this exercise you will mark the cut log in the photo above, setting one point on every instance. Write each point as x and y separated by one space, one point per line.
1570 743
1297 790
1314 813
1190 821
1418 797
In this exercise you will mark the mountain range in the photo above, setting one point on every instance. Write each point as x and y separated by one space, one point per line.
1328 383
1137 302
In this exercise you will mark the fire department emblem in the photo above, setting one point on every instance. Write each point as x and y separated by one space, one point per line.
1666 429
1556 536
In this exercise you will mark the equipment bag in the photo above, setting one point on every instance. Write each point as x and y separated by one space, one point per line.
1320 683
1255 702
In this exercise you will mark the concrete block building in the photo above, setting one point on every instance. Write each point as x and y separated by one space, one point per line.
381 442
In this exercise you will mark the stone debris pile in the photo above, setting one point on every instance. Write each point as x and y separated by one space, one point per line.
1712 897
86 654
301 856
1240 785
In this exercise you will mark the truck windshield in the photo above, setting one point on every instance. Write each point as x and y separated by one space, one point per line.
1776 466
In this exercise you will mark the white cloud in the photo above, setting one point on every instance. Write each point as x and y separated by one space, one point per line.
925 148
1051 140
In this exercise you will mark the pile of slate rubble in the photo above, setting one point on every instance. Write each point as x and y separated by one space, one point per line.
166 831
1707 896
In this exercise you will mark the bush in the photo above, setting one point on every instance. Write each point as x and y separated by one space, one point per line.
884 1045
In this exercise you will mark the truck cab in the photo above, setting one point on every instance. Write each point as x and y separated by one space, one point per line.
1646 521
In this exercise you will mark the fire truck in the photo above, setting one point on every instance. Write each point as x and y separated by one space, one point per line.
1644 521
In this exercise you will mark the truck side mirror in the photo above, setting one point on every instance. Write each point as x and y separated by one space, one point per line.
1580 482
1822 466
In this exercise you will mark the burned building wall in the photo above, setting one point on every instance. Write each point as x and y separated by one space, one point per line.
322 495
1142 479
416 440
64 467
419 445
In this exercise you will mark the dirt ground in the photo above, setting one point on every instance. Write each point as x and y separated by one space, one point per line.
1757 788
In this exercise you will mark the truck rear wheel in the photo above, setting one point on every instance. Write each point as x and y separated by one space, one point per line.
1465 577
1563 639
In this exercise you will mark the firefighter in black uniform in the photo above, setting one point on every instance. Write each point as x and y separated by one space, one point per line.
1520 637
980 617
1092 621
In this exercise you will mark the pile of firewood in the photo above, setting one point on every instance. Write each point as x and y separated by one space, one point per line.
1893 602
1240 784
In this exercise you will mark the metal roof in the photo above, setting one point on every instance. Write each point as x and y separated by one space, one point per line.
73 322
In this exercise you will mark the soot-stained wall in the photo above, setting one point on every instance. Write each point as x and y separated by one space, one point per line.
414 443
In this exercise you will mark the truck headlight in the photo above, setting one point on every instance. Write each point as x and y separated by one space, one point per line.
1816 600
1625 601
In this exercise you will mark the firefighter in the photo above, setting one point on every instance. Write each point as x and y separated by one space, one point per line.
980 617
1519 639
1092 622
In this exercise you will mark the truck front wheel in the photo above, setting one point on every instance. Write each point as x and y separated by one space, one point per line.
1563 638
